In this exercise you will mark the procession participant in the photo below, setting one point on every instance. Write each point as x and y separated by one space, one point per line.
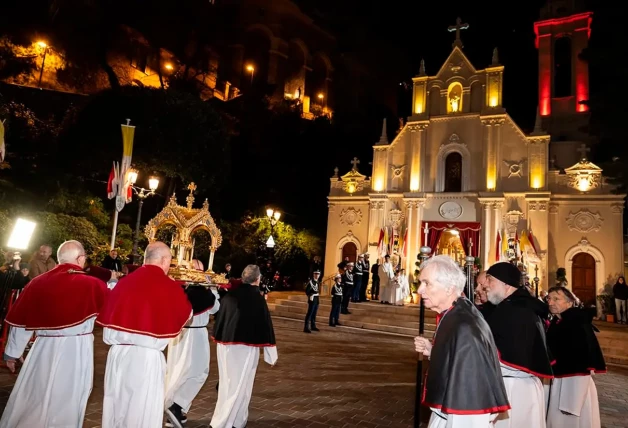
519 333
573 401
144 311
312 292
365 278
336 301
347 288
386 274
485 307
462 348
55 382
41 262
107 276
358 273
188 355
243 326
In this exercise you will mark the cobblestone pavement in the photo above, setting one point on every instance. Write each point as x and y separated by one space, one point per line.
333 378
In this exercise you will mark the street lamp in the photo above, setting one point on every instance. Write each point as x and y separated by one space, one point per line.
168 66
45 47
153 183
251 69
273 218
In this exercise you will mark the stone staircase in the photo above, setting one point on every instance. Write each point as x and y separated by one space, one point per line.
613 340
369 316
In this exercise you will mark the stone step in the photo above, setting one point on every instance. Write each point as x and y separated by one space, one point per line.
408 309
361 309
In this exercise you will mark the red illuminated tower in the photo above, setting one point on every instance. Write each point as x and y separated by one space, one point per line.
561 35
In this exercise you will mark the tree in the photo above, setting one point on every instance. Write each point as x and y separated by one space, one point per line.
54 229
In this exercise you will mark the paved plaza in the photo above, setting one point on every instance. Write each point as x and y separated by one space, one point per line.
334 378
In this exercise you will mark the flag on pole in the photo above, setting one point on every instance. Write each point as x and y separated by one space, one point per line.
112 183
380 244
386 242
404 247
505 244
128 133
2 147
517 246
531 239
498 247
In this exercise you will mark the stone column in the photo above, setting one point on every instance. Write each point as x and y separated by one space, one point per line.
496 142
496 220
489 157
417 144
373 229
486 229
210 264
410 225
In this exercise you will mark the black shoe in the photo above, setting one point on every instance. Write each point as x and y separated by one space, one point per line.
307 331
175 416
332 325
338 323
315 329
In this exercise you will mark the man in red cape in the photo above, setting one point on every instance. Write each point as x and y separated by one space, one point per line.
144 311
61 306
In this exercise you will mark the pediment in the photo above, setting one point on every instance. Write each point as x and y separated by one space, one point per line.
456 64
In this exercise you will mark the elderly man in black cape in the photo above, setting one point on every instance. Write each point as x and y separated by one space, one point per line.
464 386
517 323
243 326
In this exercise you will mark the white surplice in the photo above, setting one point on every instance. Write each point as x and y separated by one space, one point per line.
386 275
402 291
237 365
527 400
188 361
576 395
55 382
134 380
442 420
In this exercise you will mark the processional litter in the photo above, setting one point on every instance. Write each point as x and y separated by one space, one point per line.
187 220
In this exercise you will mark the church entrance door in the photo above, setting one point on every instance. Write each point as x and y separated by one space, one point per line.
583 278
350 250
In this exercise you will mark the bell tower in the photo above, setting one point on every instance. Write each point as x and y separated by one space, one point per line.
562 33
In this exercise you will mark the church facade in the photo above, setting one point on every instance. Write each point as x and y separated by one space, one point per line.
462 178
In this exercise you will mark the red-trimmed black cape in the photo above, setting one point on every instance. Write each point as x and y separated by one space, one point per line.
464 377
201 298
571 340
146 302
244 319
518 328
58 299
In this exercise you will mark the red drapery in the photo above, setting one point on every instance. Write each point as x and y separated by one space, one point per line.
469 232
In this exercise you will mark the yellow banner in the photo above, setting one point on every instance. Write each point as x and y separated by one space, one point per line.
128 133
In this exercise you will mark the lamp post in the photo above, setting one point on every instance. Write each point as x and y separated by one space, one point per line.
251 69
45 47
142 194
273 218
536 280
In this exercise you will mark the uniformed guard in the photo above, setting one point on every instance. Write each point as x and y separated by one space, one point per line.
358 272
347 288
312 291
336 301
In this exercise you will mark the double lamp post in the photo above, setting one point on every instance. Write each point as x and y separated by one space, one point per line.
153 183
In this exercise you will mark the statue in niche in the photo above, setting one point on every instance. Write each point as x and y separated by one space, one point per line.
455 98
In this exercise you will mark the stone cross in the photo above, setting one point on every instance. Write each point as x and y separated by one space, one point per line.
459 26
355 163
583 151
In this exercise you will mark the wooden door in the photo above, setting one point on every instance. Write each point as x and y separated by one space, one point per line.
583 278
350 250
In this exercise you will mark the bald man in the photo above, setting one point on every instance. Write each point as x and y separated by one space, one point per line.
145 310
55 382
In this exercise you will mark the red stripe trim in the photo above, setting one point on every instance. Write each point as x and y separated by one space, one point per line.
449 411
68 335
144 333
580 374
523 369
254 345
95 314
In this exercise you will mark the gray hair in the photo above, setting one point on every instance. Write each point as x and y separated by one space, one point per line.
250 274
70 251
448 273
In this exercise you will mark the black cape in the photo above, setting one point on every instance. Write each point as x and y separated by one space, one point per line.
572 342
486 309
519 332
244 319
201 298
464 377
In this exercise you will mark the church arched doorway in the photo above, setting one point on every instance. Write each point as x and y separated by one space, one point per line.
583 278
350 250
453 172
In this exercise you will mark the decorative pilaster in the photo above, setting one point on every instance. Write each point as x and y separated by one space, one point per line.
373 223
486 228
497 147
417 143
496 219
489 157
410 245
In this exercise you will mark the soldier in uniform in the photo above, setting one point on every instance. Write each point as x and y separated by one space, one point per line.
336 301
312 291
365 278
358 273
347 288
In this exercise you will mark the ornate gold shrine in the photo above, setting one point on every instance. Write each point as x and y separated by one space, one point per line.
186 221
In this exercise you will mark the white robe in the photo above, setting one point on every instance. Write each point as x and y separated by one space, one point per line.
527 400
402 291
386 275
55 382
237 365
134 380
442 420
188 361
576 395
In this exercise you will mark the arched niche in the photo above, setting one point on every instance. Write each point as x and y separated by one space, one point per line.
454 98
453 145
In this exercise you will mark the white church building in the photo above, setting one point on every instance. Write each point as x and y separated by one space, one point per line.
462 177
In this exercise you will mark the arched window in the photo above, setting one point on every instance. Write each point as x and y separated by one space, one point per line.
562 68
453 172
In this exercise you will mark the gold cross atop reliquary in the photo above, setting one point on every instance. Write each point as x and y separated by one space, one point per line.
187 220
